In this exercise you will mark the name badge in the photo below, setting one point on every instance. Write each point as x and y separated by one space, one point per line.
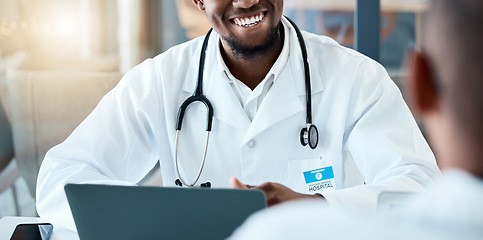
319 180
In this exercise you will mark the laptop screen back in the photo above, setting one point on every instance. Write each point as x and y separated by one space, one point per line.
134 212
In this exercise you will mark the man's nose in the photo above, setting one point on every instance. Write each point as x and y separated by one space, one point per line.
244 3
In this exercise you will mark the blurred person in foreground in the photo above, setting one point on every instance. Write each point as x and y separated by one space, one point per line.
446 88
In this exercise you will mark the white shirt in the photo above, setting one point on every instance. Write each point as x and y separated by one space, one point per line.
369 141
251 100
452 209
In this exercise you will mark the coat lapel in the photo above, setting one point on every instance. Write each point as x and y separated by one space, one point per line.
281 102
287 95
226 106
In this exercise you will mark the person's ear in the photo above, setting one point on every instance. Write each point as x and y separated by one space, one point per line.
423 91
200 4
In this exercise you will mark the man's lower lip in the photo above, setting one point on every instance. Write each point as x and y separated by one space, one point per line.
248 28
249 25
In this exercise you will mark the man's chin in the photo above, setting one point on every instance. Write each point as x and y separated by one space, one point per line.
271 44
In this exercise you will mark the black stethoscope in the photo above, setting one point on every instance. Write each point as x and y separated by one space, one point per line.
308 135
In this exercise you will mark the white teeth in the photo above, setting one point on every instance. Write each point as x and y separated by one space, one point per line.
249 21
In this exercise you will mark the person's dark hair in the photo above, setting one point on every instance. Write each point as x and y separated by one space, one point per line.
455 47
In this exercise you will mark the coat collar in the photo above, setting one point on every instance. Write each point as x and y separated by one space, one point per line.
285 98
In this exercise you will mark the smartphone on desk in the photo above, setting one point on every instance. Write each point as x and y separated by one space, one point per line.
32 231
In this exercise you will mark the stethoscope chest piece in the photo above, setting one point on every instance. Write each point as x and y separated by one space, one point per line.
310 136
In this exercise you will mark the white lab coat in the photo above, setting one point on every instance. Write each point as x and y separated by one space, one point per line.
367 133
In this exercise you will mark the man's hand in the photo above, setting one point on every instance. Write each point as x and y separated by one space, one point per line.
275 192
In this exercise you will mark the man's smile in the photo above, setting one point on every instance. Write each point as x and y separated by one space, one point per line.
248 21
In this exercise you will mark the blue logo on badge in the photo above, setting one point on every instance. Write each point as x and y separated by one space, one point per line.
318 175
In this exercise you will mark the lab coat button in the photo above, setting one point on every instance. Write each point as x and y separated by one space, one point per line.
251 143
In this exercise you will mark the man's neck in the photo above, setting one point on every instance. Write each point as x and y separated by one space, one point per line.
251 71
464 154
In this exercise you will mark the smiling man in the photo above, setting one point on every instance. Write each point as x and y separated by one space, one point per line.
251 36
265 104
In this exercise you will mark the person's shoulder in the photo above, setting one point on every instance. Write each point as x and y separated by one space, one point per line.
307 219
347 64
327 44
462 202
325 51
185 50
176 59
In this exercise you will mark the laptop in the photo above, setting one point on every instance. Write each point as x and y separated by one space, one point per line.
135 212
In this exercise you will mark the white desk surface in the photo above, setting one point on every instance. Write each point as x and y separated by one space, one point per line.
8 224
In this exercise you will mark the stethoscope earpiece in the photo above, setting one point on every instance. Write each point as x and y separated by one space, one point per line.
203 185
206 185
178 183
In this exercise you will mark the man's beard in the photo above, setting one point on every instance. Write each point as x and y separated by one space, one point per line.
272 44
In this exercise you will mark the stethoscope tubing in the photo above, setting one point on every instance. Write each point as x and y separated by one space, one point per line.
197 96
308 89
202 161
